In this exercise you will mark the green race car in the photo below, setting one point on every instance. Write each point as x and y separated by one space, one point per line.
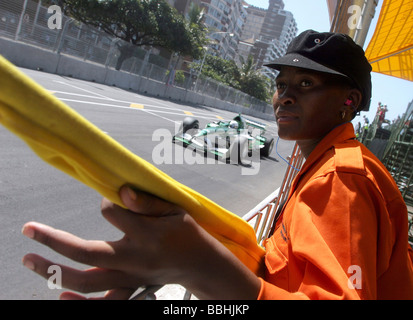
235 140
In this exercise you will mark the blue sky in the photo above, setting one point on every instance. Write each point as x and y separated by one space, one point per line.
393 92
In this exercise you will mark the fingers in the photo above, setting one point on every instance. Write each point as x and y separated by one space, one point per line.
114 294
84 281
95 253
107 275
117 265
146 204
119 294
128 222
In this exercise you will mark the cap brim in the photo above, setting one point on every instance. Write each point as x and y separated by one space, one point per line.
299 61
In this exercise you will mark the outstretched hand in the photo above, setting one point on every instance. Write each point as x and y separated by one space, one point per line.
161 244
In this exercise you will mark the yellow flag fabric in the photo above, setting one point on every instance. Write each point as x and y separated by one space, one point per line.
66 140
390 50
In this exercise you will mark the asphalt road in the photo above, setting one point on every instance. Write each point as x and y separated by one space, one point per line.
31 190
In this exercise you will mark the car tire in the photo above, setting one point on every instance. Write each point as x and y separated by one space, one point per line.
189 123
238 151
268 146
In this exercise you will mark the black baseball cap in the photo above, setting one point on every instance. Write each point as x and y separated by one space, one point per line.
333 53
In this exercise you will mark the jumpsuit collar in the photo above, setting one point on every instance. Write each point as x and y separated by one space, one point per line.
337 135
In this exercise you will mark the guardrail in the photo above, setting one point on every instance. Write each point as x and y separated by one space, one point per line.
264 215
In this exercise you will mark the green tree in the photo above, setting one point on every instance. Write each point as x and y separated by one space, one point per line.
196 16
253 82
197 29
139 23
222 70
245 78
180 77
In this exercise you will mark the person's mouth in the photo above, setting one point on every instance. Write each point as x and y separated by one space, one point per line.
285 117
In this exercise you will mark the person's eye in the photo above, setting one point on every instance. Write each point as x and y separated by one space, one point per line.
305 83
280 85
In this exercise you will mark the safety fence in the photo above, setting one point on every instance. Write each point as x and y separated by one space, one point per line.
28 21
265 214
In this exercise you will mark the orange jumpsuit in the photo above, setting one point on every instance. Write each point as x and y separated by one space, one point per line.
343 231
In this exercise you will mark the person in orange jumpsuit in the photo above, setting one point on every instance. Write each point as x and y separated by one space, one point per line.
342 231
342 234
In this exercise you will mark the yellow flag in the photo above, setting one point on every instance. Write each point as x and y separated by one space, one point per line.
67 141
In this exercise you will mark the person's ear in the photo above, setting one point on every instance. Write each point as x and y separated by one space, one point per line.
354 100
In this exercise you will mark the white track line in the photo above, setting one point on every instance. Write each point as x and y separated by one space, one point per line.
120 101
174 112
88 91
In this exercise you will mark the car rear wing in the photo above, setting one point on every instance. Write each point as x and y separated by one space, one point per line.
255 124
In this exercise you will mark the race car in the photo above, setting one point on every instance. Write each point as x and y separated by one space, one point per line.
233 140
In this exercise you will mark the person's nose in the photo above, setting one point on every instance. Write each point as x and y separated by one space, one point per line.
284 98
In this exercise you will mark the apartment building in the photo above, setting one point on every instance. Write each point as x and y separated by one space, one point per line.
253 23
237 28
250 31
224 19
267 34
278 29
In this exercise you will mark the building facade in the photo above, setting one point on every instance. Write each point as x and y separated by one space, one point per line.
238 29
250 31
253 24
224 19
278 28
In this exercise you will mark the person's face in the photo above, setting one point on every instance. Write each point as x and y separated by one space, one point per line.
307 104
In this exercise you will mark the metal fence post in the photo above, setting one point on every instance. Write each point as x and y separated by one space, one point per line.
145 61
216 91
111 52
36 17
19 26
62 35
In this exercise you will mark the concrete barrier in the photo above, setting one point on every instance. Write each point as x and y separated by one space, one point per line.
32 57
27 56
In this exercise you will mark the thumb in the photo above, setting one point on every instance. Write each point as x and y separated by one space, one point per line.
147 204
